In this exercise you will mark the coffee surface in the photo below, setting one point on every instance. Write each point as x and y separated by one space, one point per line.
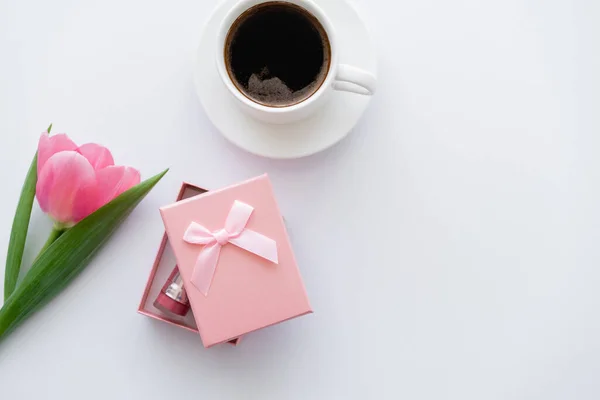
277 54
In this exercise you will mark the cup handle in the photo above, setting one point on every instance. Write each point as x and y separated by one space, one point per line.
355 80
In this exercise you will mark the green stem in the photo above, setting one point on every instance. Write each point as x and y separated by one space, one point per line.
55 234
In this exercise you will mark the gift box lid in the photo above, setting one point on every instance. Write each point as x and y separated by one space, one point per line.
236 260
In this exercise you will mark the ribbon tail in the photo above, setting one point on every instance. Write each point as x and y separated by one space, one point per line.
204 270
258 244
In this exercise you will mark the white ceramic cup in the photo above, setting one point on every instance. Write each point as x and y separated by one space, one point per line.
340 77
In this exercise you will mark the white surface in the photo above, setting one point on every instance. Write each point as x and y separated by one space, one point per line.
333 120
449 244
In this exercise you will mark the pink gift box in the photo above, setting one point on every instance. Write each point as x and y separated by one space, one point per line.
236 261
164 263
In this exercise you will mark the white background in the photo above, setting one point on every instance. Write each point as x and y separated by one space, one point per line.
449 245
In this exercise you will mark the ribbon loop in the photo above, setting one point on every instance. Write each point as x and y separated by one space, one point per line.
235 232
197 234
238 217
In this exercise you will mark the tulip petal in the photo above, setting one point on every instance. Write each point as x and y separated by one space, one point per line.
86 201
63 178
50 145
99 156
114 180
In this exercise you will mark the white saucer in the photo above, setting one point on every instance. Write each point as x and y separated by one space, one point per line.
320 131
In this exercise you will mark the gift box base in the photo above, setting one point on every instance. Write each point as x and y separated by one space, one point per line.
163 265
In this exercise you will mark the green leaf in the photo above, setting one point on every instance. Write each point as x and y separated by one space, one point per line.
18 234
68 256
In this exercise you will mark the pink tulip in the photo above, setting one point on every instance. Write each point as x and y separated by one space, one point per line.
73 181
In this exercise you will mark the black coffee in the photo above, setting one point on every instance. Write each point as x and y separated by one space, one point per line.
277 54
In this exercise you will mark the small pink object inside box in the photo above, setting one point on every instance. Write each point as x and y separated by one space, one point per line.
236 261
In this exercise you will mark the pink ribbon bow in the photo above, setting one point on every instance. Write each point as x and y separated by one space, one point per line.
235 232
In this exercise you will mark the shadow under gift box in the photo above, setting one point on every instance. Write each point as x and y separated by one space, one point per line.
248 292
